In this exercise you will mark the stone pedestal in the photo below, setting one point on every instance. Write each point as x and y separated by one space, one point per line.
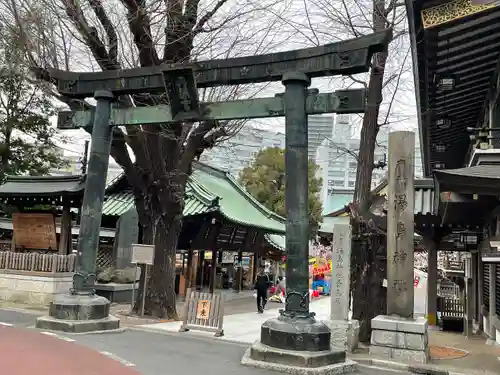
78 314
297 345
400 339
343 334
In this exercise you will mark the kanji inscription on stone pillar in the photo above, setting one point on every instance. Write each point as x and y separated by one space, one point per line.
341 261
400 222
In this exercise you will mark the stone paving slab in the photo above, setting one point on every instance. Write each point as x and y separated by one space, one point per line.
29 352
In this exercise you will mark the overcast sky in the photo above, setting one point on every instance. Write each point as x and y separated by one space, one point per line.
270 26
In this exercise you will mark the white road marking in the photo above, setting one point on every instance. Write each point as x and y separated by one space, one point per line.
6 324
118 359
57 336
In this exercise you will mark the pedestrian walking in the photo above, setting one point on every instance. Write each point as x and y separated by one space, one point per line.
262 283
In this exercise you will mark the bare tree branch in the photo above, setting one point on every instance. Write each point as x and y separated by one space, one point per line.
140 27
110 31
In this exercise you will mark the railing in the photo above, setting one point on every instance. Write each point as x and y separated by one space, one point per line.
37 262
448 289
486 286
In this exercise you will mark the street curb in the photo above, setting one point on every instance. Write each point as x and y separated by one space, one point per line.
413 369
25 311
112 331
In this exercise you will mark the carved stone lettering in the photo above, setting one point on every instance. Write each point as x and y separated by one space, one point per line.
401 197
399 256
401 202
399 286
401 180
400 230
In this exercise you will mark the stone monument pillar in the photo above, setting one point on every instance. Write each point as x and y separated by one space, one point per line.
399 335
344 332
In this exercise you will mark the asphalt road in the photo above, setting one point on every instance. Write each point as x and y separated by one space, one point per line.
154 353
18 318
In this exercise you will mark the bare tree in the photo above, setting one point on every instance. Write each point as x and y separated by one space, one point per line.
389 92
117 34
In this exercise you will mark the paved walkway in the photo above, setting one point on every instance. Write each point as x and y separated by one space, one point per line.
245 327
29 352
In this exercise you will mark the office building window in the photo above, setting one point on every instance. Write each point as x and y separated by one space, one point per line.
338 183
336 173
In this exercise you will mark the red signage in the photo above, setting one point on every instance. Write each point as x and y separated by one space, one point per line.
416 281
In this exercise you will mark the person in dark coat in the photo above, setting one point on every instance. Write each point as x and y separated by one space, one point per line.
262 284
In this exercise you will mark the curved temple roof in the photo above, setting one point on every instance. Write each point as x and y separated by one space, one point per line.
210 190
42 186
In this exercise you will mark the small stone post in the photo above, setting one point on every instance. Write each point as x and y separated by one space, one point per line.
398 335
344 332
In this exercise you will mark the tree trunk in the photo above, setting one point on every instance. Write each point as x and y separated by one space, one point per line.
366 282
160 290
160 296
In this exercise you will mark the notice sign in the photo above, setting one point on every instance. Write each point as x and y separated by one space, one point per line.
143 254
203 310
34 231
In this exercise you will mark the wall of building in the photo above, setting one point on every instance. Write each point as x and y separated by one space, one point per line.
33 288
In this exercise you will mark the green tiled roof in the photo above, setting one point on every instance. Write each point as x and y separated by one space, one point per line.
276 240
117 204
234 201
336 201
43 185
211 189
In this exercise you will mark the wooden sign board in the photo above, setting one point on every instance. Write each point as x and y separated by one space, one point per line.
34 231
143 254
203 310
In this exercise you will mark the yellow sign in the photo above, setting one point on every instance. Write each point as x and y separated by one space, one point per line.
203 310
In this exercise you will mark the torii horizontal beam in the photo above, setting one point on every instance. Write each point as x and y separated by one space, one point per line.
340 101
342 58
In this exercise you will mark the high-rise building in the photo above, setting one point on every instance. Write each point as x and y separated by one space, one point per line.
320 127
239 151
337 158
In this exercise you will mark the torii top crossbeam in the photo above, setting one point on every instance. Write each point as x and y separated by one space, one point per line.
341 58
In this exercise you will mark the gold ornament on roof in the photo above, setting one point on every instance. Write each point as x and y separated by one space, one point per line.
451 11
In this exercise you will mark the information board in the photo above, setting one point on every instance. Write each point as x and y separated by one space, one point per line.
34 231
143 254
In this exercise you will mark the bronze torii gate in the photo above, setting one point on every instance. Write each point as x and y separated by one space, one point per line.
296 328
